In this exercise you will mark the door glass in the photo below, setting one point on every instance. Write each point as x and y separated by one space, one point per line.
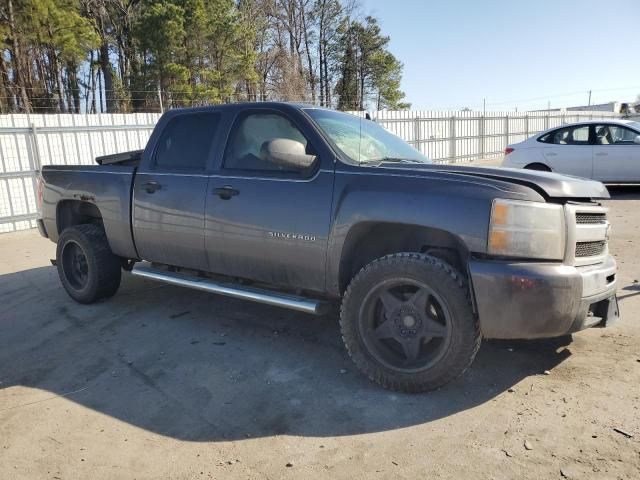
245 149
577 135
621 135
186 141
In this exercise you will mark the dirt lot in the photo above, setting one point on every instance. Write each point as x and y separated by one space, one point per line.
163 382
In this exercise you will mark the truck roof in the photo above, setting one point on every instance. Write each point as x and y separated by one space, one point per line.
242 106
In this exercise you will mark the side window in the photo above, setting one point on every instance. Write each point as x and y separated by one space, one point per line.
246 148
615 135
186 141
546 138
578 135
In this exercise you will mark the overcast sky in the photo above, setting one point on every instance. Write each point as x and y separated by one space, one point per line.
514 53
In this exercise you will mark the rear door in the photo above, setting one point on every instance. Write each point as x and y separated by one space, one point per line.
567 150
169 192
615 157
265 222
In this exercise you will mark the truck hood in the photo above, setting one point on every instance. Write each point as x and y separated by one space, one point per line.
549 184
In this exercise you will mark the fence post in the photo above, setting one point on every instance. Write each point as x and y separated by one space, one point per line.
546 121
33 137
506 130
416 134
526 125
481 136
452 139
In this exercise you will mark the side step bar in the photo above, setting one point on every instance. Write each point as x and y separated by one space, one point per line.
293 302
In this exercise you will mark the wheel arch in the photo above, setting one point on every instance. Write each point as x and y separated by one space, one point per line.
368 241
70 213
539 166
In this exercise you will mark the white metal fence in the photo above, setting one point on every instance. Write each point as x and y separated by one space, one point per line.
458 136
30 141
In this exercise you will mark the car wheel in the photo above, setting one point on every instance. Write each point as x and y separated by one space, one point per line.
87 268
407 322
538 166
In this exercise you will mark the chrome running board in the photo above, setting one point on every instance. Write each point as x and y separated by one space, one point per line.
293 302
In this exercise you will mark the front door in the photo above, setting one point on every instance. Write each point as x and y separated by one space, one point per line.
616 158
264 221
169 193
569 151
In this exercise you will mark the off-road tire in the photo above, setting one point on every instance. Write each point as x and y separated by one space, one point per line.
449 284
103 267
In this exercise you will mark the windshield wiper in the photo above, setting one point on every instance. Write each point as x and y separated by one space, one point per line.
398 160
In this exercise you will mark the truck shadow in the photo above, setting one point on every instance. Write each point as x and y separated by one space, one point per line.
205 368
624 192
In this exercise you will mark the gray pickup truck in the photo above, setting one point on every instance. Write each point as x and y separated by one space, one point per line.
304 207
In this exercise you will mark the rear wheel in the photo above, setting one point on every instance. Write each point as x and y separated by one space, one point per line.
538 166
407 322
87 268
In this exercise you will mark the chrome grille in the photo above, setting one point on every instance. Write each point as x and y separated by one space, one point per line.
590 218
587 234
590 249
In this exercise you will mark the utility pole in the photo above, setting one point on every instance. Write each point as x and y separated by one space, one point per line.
589 97
484 107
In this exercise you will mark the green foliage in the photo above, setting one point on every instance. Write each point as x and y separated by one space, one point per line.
58 25
369 74
117 55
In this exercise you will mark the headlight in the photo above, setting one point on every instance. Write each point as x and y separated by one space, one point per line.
526 229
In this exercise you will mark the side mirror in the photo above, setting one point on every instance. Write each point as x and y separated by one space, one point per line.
286 153
637 140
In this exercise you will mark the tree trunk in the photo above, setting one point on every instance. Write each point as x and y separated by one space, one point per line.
74 88
93 84
25 105
312 77
100 91
107 74
56 73
7 102
327 84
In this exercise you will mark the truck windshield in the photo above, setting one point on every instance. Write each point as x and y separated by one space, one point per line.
362 140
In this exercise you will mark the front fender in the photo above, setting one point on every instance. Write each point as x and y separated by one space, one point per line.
461 207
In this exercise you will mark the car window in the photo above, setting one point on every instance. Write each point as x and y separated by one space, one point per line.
576 135
245 148
614 135
546 138
185 142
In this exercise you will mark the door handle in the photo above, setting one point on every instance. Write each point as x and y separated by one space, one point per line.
151 186
226 192
601 154
551 154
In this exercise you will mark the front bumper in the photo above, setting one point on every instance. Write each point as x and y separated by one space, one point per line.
538 300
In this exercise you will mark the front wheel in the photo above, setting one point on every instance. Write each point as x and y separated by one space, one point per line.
87 268
407 322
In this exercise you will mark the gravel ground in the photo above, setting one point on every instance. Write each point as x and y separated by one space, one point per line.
162 382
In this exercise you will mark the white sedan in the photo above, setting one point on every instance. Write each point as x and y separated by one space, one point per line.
605 150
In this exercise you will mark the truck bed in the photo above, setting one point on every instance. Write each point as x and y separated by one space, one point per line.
67 189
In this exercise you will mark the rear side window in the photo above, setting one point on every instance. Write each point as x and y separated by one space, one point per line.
577 135
185 142
546 138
